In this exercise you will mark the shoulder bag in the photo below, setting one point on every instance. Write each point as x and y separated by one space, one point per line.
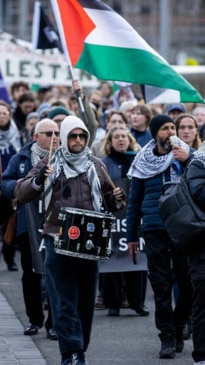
184 221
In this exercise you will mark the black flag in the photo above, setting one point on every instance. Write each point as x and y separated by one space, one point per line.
44 35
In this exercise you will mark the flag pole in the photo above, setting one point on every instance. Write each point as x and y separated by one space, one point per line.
34 35
56 12
78 94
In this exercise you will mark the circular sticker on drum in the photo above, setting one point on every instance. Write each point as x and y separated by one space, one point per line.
73 232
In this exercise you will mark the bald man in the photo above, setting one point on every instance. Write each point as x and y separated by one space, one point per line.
29 221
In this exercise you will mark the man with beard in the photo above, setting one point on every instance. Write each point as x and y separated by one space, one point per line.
74 178
157 162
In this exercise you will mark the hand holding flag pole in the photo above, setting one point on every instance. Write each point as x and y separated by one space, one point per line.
58 15
78 91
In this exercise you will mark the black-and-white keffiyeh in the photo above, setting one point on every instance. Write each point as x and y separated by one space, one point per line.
200 153
147 164
73 165
37 153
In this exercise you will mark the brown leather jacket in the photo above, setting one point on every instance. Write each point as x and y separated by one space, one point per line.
75 193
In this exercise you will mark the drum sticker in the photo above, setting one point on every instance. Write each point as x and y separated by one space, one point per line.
105 232
60 231
73 232
90 227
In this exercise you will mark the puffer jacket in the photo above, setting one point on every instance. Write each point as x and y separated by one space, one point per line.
143 209
18 167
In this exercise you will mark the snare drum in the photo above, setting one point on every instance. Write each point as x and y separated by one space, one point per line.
84 234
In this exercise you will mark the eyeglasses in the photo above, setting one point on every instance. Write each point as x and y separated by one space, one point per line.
76 135
50 133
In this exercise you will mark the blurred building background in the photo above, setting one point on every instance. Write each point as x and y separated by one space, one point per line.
174 28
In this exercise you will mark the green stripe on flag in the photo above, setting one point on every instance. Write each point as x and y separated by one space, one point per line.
135 66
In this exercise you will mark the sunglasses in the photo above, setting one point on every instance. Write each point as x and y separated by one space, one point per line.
50 133
76 135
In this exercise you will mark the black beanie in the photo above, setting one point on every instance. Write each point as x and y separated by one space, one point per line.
157 121
58 110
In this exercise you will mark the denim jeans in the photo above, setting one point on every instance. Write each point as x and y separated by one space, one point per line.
71 284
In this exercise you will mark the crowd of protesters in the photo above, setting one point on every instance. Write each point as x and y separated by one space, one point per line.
125 133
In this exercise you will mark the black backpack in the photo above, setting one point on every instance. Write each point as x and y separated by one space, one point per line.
184 221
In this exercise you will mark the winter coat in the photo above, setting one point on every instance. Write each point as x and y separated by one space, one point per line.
141 137
29 218
19 166
74 192
196 181
143 204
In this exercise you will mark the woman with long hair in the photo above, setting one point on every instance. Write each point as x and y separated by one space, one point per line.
120 148
187 130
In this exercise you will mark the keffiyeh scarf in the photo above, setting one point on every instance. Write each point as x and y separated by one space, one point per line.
37 153
146 164
200 153
73 165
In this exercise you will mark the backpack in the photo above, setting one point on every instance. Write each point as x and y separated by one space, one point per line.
184 221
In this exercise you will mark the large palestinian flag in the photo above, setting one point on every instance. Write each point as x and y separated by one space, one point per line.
100 41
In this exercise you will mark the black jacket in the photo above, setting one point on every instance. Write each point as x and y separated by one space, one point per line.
196 181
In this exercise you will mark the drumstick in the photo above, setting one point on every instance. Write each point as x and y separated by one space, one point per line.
111 182
50 154
50 149
134 257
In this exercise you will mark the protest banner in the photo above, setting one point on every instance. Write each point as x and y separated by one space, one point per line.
48 66
120 259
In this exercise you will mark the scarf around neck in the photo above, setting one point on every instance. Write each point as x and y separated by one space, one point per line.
37 153
72 166
10 137
147 164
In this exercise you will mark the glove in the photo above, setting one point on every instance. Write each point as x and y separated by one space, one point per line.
40 178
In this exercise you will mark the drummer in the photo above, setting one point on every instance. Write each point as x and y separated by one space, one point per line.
73 178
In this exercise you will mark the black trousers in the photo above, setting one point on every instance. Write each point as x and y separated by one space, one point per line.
198 320
163 261
71 284
131 285
8 252
31 283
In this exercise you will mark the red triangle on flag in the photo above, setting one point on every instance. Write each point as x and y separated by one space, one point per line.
76 27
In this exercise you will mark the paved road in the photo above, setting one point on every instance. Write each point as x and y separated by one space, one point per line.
124 340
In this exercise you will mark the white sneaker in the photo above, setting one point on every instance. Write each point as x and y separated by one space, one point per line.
199 363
